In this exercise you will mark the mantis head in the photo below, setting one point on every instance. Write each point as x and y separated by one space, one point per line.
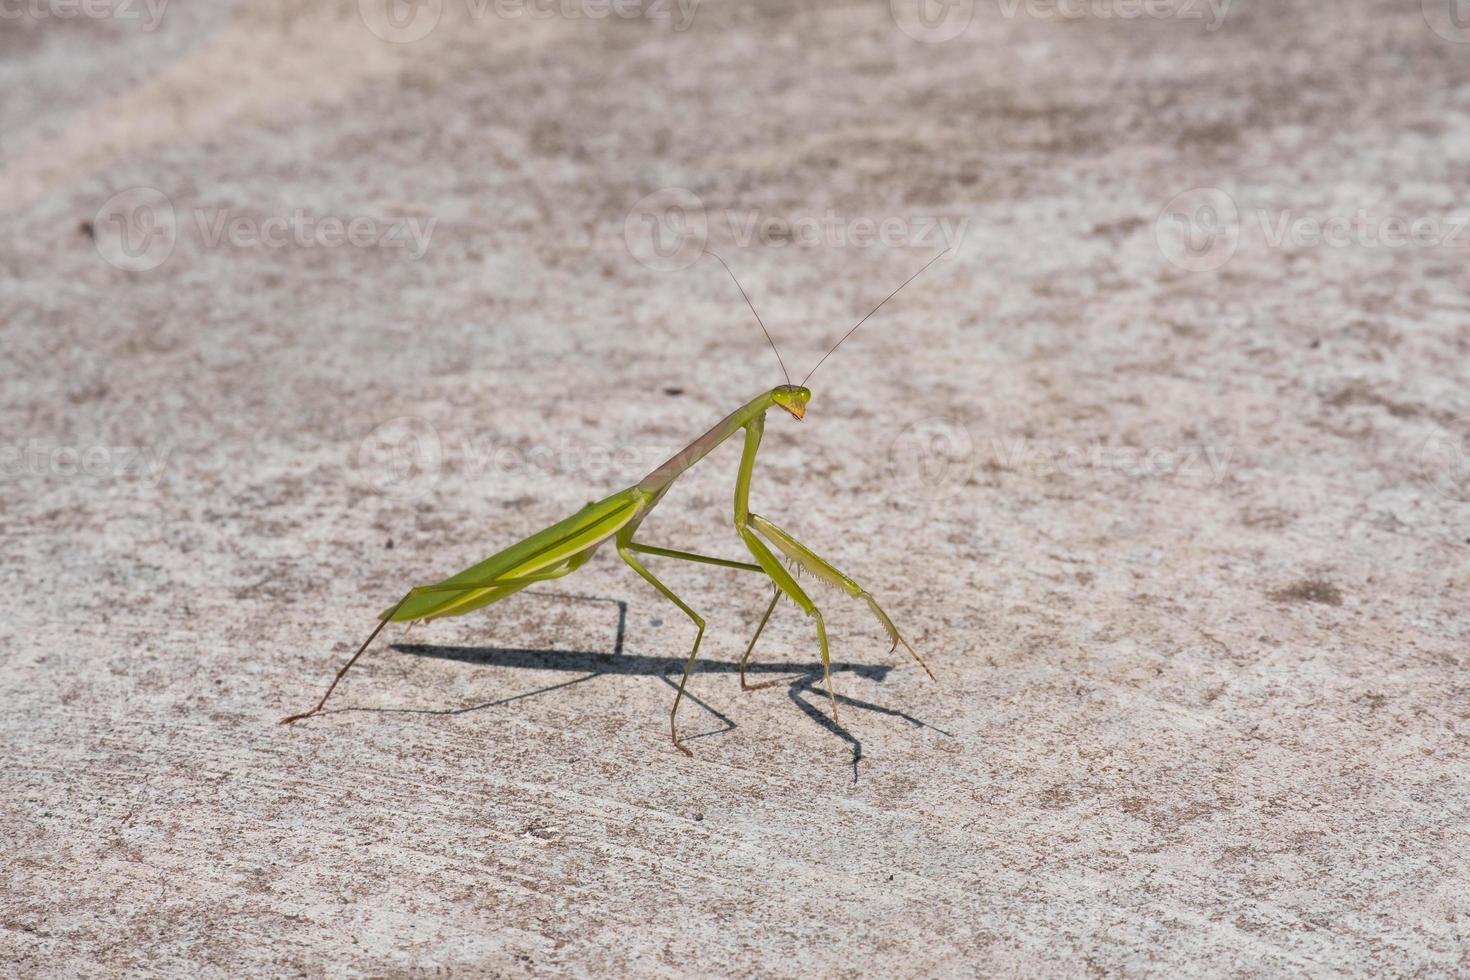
793 398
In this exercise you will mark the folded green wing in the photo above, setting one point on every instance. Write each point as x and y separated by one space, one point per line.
541 554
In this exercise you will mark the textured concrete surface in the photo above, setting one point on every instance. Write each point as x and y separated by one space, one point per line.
1164 470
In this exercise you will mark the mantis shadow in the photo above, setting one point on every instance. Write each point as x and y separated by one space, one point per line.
589 664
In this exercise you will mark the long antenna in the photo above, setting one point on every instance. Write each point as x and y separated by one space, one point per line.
870 313
757 315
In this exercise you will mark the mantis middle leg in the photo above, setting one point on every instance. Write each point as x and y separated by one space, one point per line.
759 629
626 549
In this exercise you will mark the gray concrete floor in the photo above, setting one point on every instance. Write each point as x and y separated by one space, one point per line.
1164 470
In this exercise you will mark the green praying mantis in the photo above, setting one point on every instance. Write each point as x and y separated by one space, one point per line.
567 545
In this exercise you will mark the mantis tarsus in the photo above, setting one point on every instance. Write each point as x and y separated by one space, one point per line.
567 545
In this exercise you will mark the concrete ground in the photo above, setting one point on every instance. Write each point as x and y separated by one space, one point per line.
1164 469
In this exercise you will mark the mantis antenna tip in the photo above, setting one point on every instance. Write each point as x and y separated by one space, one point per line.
871 312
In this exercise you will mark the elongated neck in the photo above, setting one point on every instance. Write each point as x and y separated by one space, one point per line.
675 466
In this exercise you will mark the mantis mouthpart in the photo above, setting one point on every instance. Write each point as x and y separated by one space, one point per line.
569 544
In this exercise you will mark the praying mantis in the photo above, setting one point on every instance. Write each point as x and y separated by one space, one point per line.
569 544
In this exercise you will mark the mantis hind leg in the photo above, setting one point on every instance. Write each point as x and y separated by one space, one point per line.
502 588
827 572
